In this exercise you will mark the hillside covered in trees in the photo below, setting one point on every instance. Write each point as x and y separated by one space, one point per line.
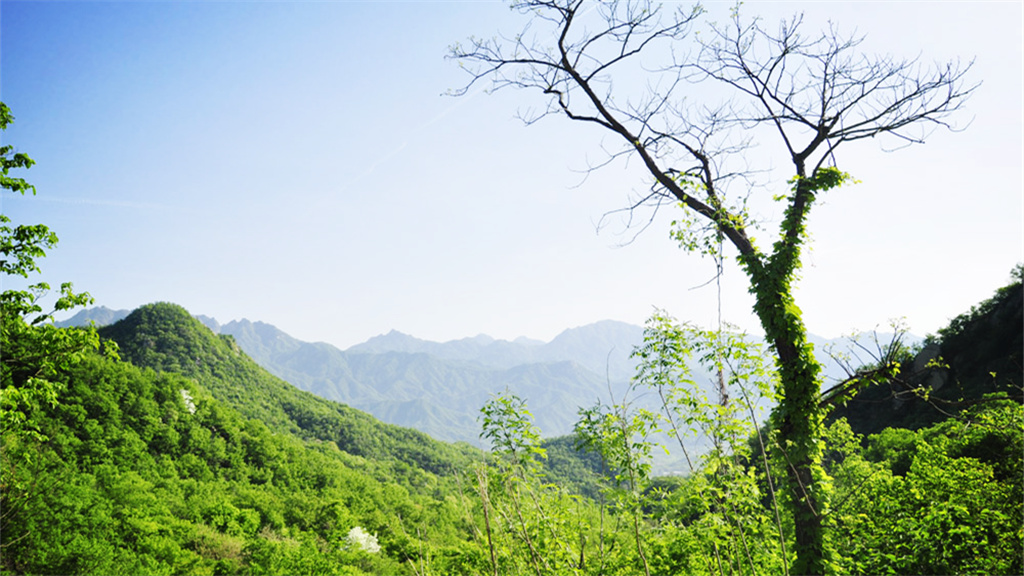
978 354
196 461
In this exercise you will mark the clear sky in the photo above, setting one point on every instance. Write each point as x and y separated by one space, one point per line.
297 163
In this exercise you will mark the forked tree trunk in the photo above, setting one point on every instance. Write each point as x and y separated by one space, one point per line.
798 419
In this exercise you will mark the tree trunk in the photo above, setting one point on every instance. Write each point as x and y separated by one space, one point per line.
798 420
799 427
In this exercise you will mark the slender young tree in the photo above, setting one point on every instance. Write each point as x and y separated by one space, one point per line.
33 352
689 107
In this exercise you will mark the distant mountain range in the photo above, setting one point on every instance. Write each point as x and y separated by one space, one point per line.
98 315
438 388
602 348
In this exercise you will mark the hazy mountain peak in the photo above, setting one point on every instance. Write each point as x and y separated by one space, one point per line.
209 322
393 341
100 315
608 328
103 316
481 339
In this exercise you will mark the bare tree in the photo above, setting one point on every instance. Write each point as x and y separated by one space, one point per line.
689 106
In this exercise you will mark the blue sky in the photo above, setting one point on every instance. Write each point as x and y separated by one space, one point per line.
298 163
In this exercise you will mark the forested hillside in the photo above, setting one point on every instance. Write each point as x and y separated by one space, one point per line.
978 354
140 472
438 388
165 337
192 459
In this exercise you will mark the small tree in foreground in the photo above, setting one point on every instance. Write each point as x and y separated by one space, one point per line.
32 349
33 352
808 94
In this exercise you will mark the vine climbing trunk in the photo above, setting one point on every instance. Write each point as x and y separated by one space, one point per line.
799 428
798 419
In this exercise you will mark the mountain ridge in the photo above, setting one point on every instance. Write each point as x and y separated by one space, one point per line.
397 341
439 387
603 347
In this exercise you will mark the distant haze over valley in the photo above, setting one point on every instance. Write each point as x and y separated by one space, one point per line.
439 387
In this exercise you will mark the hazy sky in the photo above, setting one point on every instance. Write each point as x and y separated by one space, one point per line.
297 163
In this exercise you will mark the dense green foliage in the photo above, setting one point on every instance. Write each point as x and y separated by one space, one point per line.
946 499
130 480
126 478
576 470
33 350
